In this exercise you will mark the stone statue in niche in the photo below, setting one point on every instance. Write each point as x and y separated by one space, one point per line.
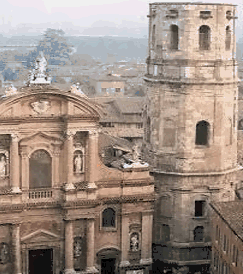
134 242
77 247
78 162
4 253
2 165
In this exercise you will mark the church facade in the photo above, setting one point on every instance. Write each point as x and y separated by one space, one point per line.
190 127
61 209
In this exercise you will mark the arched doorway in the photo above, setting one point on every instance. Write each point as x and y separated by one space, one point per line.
108 260
40 164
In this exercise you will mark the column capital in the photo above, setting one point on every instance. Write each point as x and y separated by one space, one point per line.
93 132
14 137
70 133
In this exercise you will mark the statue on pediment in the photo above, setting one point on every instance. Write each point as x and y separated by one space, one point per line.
39 75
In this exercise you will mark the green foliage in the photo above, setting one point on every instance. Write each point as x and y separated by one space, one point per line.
54 45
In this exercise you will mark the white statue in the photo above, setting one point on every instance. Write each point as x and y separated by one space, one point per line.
78 164
134 242
77 248
2 166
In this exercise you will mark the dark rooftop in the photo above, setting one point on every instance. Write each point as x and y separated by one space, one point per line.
232 213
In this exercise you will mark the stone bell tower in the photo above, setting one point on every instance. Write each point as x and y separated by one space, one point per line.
190 126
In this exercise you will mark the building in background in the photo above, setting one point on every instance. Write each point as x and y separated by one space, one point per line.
109 84
123 117
191 127
227 237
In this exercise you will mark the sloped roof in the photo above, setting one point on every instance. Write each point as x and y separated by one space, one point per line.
232 213
130 105
106 140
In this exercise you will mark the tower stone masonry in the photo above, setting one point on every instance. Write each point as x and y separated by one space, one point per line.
190 121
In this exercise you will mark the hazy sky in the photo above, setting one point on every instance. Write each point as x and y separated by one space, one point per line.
84 13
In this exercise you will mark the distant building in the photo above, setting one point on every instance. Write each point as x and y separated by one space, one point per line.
109 84
123 117
227 237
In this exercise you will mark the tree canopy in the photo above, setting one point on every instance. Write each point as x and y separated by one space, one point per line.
54 45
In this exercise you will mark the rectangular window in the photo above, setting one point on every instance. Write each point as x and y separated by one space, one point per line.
199 208
225 243
103 90
118 89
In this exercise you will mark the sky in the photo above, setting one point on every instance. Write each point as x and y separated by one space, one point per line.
85 13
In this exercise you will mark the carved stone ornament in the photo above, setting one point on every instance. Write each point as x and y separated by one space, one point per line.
4 253
41 106
134 242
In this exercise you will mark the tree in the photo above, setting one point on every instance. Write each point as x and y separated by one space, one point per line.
54 45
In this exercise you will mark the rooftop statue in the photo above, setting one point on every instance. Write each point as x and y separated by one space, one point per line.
10 90
38 75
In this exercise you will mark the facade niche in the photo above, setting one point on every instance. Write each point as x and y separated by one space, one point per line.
202 133
227 38
169 135
204 37
40 165
174 37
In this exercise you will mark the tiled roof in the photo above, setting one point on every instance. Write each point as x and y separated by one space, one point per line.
232 213
130 105
106 140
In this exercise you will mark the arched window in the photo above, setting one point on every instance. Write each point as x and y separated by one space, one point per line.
174 38
204 37
40 169
198 234
202 133
227 38
240 124
109 218
153 36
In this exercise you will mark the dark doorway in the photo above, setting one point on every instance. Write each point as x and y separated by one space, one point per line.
108 266
41 261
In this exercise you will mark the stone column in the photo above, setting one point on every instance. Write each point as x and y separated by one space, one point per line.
14 164
69 160
93 155
90 246
69 248
146 248
125 241
16 248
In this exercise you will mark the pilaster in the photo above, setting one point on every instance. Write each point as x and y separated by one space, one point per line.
14 164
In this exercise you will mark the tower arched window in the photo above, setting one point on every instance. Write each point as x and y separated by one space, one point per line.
109 217
174 37
40 166
202 133
199 234
204 37
227 38
153 36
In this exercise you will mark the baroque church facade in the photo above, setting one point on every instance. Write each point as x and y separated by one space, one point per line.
62 210
190 119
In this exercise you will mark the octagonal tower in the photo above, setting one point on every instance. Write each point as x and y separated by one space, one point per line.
190 126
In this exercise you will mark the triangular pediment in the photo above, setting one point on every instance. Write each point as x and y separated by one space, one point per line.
41 137
40 235
48 103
